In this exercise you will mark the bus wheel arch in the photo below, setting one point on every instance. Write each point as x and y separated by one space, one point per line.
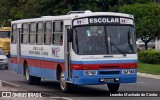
64 85
31 80
58 71
24 67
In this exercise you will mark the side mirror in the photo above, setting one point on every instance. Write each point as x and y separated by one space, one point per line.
69 35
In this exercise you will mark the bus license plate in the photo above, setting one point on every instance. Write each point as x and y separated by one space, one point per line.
109 80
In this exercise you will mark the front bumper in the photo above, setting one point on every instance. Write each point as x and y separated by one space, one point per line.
79 78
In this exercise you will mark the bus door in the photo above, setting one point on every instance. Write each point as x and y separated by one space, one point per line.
67 46
19 26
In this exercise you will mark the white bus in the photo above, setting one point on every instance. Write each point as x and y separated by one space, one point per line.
86 48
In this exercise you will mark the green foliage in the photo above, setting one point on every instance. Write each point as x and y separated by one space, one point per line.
149 68
123 2
147 19
5 8
149 56
20 9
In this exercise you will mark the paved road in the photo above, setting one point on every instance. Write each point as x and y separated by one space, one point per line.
92 92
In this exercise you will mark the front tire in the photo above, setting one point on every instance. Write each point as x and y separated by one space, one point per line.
65 87
113 87
31 80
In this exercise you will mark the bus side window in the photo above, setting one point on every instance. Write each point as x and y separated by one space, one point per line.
14 34
48 33
32 35
57 33
40 33
24 34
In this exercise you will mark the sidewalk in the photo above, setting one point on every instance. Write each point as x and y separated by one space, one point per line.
148 75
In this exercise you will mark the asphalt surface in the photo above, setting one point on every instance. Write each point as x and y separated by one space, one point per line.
87 92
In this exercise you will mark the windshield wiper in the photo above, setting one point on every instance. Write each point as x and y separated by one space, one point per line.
118 49
129 43
77 41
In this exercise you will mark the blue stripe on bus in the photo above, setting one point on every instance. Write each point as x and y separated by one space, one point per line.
104 62
14 67
94 80
35 71
43 72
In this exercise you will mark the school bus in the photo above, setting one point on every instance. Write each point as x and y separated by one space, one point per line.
5 39
88 48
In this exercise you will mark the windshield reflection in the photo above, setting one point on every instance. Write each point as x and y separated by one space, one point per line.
99 40
5 34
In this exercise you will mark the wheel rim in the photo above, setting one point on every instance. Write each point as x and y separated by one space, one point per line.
27 74
62 81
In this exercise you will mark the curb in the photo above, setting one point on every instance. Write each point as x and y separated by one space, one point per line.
148 75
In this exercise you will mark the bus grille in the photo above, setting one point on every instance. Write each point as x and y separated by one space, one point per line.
108 67
108 72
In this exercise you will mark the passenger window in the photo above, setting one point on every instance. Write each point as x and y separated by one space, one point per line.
24 34
58 33
32 35
39 34
14 34
48 33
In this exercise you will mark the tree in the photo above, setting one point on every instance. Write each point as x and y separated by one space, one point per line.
119 3
147 19
5 8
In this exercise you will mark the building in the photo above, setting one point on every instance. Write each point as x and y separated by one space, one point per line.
157 42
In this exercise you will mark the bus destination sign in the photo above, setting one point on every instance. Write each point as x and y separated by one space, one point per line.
102 20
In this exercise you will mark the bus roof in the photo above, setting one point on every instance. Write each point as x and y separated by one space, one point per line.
5 28
72 16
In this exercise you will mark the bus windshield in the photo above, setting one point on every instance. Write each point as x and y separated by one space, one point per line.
100 40
4 34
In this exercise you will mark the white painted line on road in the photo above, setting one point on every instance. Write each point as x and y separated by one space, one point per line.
47 93
65 98
9 83
0 83
55 97
139 82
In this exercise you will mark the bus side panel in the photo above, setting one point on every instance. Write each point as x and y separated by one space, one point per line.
48 69
42 68
14 64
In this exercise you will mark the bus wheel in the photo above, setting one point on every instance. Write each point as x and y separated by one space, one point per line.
65 87
113 87
31 80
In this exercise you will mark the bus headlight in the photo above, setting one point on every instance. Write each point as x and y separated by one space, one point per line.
90 72
128 71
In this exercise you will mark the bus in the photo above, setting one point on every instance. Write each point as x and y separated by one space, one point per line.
5 39
84 48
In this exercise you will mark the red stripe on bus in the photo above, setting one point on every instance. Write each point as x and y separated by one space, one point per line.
14 60
103 66
53 65
39 63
